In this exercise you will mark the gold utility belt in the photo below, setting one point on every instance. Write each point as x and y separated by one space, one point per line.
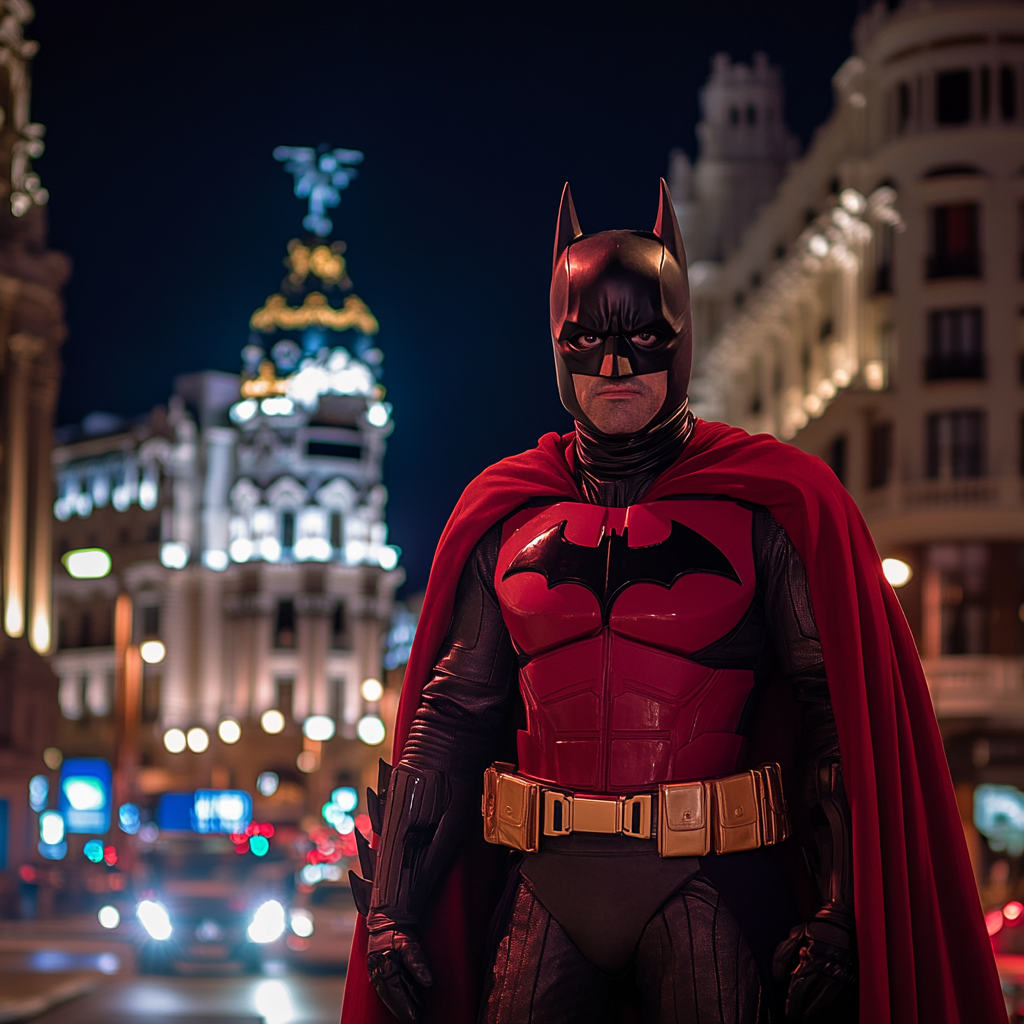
738 812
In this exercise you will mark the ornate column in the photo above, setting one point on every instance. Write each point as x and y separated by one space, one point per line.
22 349
40 614
211 653
174 691
262 695
219 442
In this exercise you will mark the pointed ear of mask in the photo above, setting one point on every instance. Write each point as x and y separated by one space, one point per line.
666 227
568 229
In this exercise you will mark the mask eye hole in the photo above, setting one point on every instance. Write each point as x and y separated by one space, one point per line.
645 339
586 342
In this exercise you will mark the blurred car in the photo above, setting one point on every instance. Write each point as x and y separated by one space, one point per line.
205 908
320 927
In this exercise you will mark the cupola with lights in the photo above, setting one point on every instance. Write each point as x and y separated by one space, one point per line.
311 415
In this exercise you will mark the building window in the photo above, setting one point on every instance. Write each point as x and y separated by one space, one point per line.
336 699
954 241
955 344
287 530
879 454
953 97
1007 93
285 697
85 631
883 259
151 698
339 628
902 107
986 92
336 532
962 575
151 620
734 115
956 445
836 458
751 114
284 630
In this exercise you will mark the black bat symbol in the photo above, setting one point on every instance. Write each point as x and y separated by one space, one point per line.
607 570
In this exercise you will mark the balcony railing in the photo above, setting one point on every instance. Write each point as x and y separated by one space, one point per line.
976 686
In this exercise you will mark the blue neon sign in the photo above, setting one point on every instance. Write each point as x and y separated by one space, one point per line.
221 810
85 794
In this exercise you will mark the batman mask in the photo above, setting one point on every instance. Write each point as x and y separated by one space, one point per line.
620 305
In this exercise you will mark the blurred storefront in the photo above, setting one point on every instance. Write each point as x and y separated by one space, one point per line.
873 313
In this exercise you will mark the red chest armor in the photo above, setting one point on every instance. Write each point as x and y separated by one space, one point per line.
608 603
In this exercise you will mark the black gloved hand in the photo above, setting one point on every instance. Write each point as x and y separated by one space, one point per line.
819 959
397 965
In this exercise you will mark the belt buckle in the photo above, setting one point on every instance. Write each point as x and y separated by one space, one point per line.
591 814
557 813
636 816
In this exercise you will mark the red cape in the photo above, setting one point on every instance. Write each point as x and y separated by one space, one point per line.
924 952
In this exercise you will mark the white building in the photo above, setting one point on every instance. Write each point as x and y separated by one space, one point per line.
873 314
246 523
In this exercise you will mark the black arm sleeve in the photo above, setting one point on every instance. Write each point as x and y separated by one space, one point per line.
433 792
787 601
464 703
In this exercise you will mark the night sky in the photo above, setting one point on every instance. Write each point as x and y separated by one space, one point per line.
161 119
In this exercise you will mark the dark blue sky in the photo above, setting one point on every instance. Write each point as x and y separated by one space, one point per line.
161 120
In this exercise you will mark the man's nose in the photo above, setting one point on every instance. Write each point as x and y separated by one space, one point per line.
613 364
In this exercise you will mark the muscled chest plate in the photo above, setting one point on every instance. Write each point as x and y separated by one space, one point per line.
675 574
608 605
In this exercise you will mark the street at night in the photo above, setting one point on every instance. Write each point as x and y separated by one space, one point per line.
379 644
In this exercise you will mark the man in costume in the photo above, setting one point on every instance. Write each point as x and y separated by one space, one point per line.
719 792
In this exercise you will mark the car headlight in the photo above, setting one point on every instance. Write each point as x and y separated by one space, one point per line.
302 923
155 919
267 923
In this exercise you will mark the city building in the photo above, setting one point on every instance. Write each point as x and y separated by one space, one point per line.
31 332
873 314
234 623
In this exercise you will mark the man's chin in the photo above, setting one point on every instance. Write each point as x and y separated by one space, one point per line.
619 426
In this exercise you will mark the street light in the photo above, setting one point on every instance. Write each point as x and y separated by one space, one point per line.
372 690
174 741
370 729
229 731
152 651
896 571
318 727
198 739
272 721
87 563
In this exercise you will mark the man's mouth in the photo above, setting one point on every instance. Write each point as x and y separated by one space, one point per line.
618 391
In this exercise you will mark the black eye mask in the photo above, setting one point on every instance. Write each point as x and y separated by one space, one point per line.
610 291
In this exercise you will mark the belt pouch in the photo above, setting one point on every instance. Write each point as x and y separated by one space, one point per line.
684 826
510 810
737 803
774 823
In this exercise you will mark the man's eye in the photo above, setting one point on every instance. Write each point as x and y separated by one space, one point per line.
586 341
645 338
